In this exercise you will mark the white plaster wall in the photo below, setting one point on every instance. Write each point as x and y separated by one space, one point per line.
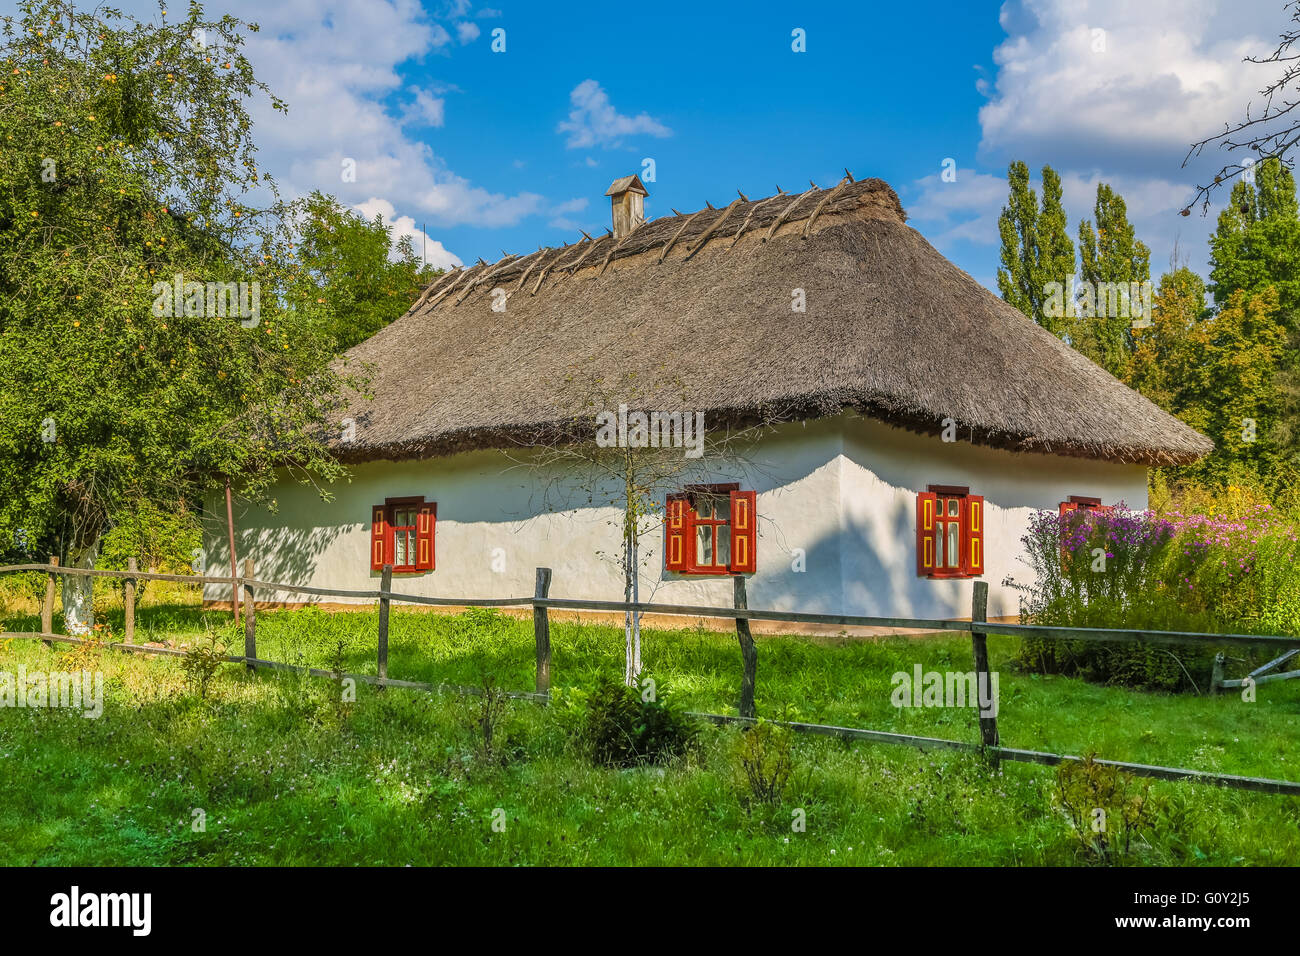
882 470
842 490
486 501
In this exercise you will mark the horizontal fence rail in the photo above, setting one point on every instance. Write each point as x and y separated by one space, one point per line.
1134 636
978 627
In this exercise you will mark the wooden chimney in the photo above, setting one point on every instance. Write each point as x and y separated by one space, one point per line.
627 201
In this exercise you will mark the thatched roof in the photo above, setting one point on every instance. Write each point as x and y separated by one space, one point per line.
702 304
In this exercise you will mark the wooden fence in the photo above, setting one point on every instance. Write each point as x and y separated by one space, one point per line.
978 627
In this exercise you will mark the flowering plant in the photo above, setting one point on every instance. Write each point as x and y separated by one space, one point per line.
1172 571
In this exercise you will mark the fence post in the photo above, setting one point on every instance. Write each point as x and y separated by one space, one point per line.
250 618
385 591
128 604
1216 674
47 606
234 566
748 650
983 680
542 632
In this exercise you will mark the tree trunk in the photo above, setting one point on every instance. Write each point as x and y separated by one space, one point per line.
630 666
78 592
636 615
629 672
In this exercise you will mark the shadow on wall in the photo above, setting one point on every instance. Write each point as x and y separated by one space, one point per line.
284 555
846 572
874 585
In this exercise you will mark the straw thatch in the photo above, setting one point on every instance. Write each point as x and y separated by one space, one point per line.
701 303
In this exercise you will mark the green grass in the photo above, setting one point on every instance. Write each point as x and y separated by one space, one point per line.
286 776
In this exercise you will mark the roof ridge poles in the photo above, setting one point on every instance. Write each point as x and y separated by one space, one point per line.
550 265
524 277
483 278
782 217
677 235
570 270
451 288
613 249
821 205
713 227
744 225
437 283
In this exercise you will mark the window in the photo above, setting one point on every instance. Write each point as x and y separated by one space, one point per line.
1077 504
401 534
949 533
711 529
1080 503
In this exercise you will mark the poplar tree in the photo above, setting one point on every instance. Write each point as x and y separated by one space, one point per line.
1018 230
1036 246
1111 260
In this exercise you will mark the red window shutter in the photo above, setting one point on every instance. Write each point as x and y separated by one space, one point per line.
1067 508
925 557
744 532
675 533
378 537
973 535
426 519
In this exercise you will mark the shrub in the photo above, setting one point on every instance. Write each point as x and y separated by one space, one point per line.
88 655
201 662
1106 807
162 539
1172 572
489 708
764 755
621 726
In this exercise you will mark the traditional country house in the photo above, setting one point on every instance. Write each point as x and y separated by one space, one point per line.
922 419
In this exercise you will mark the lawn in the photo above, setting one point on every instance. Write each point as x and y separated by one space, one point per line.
285 774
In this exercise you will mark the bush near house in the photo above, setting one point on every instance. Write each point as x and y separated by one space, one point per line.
1170 571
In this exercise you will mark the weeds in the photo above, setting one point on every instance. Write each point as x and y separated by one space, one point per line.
201 661
1106 807
765 756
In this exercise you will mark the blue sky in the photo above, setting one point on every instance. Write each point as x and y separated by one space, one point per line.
720 104
480 151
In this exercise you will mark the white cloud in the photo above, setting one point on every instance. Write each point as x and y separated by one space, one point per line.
966 209
1122 84
466 32
438 36
593 121
425 109
338 65
1113 91
404 226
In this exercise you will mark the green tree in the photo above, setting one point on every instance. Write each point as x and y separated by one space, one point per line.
1018 230
127 171
1257 241
1055 257
1163 351
1256 247
1036 248
347 264
1111 261
1213 369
